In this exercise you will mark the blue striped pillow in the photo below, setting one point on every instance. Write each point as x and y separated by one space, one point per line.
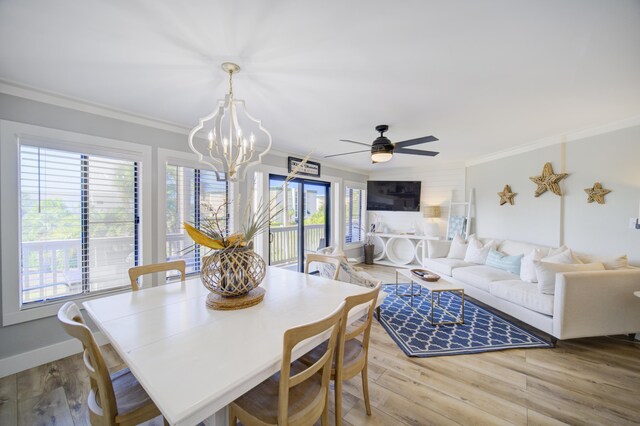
504 262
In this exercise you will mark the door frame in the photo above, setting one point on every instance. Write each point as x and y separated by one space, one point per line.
257 187
302 213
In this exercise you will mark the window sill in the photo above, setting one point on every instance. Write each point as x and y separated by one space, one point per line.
50 309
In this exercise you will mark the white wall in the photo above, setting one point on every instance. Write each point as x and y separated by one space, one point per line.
603 229
437 184
535 220
611 158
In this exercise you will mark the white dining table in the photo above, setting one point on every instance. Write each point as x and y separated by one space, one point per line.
194 361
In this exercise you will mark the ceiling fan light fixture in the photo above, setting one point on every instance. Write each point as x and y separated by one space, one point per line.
381 157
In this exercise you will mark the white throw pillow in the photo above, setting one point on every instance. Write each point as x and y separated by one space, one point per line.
561 255
527 268
609 262
546 272
477 252
458 248
437 249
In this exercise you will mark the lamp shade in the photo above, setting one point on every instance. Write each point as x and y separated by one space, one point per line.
431 211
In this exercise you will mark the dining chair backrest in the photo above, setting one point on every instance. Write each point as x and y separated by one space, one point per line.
73 323
292 337
364 327
322 258
137 271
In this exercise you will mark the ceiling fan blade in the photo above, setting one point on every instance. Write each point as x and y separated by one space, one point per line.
359 143
415 152
416 141
346 153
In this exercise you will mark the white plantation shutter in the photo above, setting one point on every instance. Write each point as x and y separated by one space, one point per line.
192 195
354 215
78 222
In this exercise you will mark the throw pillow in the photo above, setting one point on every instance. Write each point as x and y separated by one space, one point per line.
609 262
562 254
458 248
546 272
499 260
437 249
527 268
477 252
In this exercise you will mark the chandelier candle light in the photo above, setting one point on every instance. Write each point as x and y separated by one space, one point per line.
227 149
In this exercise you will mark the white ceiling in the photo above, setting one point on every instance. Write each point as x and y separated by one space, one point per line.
481 76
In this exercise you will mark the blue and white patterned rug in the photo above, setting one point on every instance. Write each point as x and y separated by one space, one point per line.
482 331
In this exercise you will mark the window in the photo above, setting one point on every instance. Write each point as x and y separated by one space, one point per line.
191 195
79 223
354 216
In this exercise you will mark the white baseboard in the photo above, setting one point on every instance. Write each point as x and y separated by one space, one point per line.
26 360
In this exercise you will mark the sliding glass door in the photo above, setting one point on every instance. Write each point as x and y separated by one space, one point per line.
300 223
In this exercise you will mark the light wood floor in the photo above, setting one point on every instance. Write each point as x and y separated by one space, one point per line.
583 381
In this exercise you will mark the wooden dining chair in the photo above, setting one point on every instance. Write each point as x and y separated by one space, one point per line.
137 271
299 394
114 399
351 353
322 258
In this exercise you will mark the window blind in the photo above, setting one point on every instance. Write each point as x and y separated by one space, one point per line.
79 222
192 195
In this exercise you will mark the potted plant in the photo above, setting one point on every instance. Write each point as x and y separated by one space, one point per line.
232 271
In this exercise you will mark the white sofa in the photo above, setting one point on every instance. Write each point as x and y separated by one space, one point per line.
594 303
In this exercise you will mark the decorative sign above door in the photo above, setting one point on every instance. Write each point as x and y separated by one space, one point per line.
310 168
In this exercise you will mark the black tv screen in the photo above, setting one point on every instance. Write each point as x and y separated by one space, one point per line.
401 196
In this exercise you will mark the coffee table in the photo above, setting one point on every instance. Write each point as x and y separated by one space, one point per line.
437 287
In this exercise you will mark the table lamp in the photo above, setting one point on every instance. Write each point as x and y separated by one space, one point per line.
431 212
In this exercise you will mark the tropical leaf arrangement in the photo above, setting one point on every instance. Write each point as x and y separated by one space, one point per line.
211 232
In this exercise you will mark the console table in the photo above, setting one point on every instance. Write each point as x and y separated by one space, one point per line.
400 249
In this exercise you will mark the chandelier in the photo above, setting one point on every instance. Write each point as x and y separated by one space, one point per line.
229 140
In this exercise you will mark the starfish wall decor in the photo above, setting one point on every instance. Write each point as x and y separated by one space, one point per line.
596 193
506 196
548 180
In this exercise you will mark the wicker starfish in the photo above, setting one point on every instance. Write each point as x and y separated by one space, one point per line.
548 180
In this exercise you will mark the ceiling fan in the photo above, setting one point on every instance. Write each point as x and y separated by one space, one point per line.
382 149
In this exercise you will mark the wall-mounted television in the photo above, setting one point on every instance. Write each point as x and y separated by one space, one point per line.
403 196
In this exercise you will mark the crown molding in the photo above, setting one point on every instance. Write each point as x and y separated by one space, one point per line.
57 99
557 139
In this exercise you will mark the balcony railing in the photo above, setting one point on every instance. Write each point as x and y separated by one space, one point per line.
53 268
283 247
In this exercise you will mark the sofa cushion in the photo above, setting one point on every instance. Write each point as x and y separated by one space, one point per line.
523 294
438 248
527 268
562 255
477 251
546 272
609 262
444 265
481 276
458 248
502 261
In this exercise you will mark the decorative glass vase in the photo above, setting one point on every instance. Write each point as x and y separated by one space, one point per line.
232 272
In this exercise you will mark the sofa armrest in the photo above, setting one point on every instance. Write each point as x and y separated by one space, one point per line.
596 303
